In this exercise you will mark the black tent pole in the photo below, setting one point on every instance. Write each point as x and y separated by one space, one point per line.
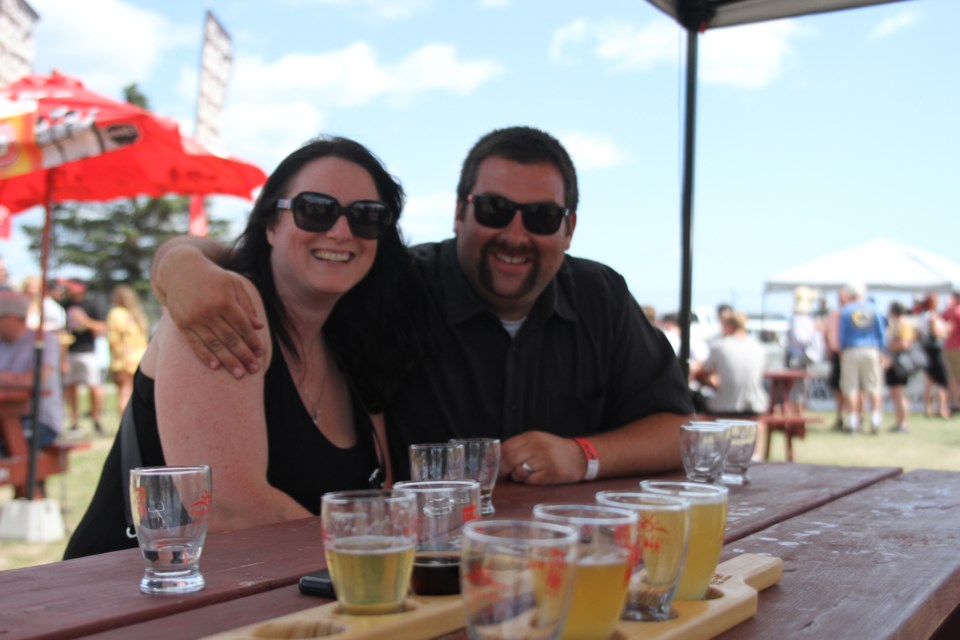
689 135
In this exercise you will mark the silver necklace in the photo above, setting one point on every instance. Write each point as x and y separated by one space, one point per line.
317 414
314 409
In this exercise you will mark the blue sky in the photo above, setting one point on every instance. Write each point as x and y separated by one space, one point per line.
814 133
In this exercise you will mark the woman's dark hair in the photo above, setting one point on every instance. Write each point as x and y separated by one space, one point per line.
372 328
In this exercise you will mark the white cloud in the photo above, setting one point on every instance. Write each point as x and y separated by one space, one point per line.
625 45
894 24
428 217
566 38
592 151
495 3
79 36
750 56
377 9
354 76
267 133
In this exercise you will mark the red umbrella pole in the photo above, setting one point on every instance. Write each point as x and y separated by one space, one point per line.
38 343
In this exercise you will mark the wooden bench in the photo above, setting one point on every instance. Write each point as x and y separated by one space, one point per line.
15 462
792 426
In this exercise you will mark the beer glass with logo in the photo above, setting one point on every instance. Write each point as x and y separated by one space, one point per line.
437 461
708 517
660 552
743 442
443 507
171 508
369 538
608 543
703 447
516 577
482 463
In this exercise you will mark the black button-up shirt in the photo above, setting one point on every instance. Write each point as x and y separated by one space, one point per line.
586 360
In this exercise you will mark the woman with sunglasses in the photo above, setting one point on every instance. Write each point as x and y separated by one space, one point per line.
322 259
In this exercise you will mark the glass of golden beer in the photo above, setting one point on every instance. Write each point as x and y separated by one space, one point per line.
608 542
443 507
660 551
516 577
369 538
708 517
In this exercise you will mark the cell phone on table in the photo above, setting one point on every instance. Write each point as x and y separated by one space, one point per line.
319 584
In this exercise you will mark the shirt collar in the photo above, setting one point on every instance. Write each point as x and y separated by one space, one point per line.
461 302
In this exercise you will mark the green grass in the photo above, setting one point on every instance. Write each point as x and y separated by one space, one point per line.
933 443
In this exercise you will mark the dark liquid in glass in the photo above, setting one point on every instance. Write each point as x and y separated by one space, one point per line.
436 574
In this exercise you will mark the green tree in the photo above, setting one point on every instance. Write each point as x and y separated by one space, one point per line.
116 241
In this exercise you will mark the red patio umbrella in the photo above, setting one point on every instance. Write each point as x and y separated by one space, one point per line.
62 142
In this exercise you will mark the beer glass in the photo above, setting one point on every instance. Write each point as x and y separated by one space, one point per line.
660 551
708 516
443 507
743 442
368 539
482 463
516 577
703 447
171 508
437 461
608 543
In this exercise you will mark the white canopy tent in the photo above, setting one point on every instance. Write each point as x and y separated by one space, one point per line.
882 265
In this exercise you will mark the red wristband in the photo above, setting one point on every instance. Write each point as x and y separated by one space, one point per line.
593 460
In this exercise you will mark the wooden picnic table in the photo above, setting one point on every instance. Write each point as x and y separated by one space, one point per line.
867 551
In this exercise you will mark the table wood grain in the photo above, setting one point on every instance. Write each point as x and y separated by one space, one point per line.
881 563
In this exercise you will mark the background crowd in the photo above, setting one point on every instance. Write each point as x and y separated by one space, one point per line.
867 355
89 340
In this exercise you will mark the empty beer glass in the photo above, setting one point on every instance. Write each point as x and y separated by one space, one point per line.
703 447
171 507
516 577
743 442
482 463
437 461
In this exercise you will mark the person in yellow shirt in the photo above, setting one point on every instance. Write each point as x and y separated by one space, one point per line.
127 333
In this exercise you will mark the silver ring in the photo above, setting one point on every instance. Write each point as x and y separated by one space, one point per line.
526 467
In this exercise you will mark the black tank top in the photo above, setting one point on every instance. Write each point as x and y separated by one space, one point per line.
301 461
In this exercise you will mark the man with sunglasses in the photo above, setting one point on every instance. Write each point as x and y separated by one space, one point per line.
548 352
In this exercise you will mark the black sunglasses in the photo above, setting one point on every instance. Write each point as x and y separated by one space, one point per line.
314 211
496 212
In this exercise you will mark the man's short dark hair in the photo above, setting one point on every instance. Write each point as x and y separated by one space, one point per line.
525 145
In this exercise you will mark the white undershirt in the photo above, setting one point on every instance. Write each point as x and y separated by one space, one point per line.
513 326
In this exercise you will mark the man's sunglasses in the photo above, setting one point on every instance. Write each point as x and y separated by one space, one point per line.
496 212
319 212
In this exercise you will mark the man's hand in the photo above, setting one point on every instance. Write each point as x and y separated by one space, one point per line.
212 309
536 457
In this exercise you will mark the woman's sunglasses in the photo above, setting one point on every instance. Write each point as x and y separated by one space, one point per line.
496 212
319 212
